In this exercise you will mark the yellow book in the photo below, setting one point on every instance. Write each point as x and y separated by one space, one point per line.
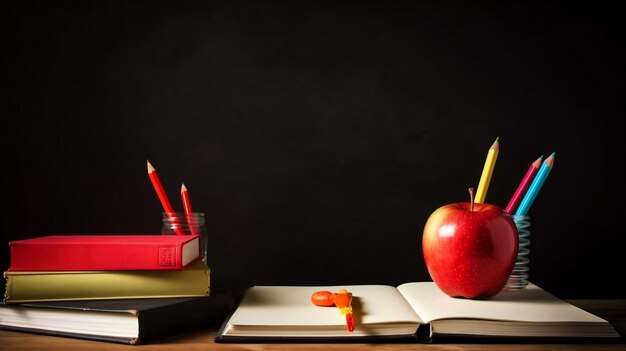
31 286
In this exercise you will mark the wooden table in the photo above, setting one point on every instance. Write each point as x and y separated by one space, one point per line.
612 310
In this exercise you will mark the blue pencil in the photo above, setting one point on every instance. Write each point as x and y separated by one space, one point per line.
535 186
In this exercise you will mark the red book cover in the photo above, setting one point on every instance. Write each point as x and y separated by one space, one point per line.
104 252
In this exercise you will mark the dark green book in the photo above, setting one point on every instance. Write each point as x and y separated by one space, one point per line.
126 321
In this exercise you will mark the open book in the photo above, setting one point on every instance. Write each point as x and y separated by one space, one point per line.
417 311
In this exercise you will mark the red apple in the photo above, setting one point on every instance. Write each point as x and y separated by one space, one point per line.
470 249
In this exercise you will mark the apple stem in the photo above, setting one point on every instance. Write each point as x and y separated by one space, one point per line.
471 191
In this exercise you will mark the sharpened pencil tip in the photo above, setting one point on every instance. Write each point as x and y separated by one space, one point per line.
150 168
496 144
550 160
182 187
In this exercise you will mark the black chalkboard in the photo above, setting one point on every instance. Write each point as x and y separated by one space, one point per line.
316 136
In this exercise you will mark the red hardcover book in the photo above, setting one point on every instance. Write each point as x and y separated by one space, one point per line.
104 252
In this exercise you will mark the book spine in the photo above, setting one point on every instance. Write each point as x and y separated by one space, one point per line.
95 256
61 286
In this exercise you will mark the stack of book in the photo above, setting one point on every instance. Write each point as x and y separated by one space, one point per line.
119 288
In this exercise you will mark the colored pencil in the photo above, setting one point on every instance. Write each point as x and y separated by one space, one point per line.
184 194
523 185
485 178
535 186
165 202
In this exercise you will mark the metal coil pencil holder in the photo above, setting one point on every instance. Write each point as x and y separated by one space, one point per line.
519 275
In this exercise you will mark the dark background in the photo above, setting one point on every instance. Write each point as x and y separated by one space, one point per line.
316 136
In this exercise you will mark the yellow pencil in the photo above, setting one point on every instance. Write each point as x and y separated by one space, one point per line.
485 178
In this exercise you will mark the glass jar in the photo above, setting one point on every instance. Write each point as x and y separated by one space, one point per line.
187 224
